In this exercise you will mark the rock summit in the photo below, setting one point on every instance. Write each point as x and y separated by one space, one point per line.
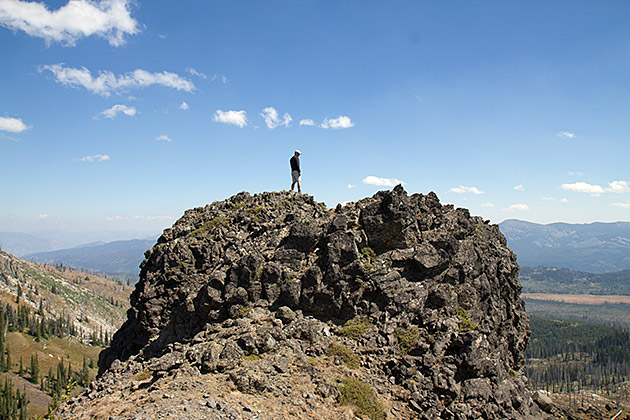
273 306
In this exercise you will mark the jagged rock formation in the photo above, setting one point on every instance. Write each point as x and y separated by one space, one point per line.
281 299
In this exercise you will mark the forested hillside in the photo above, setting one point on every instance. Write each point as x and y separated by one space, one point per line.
54 321
572 356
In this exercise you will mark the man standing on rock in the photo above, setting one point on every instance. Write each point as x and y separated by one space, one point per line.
296 174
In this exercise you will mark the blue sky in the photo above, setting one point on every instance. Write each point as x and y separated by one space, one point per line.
119 115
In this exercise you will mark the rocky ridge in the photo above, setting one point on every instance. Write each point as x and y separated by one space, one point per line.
273 306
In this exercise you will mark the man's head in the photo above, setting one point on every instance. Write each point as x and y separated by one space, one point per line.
298 153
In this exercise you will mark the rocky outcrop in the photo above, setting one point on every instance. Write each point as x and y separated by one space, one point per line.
417 300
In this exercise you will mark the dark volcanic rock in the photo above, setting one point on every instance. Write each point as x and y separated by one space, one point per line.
275 275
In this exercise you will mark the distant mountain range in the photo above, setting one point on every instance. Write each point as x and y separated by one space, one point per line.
118 258
564 280
21 244
593 247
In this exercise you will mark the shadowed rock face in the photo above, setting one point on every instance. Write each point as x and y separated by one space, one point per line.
440 289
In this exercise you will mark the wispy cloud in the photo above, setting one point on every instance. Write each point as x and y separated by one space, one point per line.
93 158
519 187
109 19
163 137
112 112
137 217
196 73
4 136
341 121
518 207
184 106
12 125
466 190
238 118
272 120
107 82
307 122
617 187
621 205
487 205
571 173
350 186
42 216
382 182
565 135
562 200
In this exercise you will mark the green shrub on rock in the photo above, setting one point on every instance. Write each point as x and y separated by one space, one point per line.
362 396
465 323
347 357
356 327
407 338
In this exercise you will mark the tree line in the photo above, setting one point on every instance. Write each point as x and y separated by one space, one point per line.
570 356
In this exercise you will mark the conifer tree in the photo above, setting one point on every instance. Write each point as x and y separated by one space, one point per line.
34 368
84 379
19 294
8 360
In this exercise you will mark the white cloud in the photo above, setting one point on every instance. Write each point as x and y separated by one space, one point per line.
163 137
196 73
270 115
308 122
519 207
571 173
564 200
112 112
621 205
382 182
12 125
336 123
42 216
519 188
184 106
465 190
549 198
350 186
565 135
487 205
224 79
107 82
238 118
617 187
93 158
109 19
583 187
